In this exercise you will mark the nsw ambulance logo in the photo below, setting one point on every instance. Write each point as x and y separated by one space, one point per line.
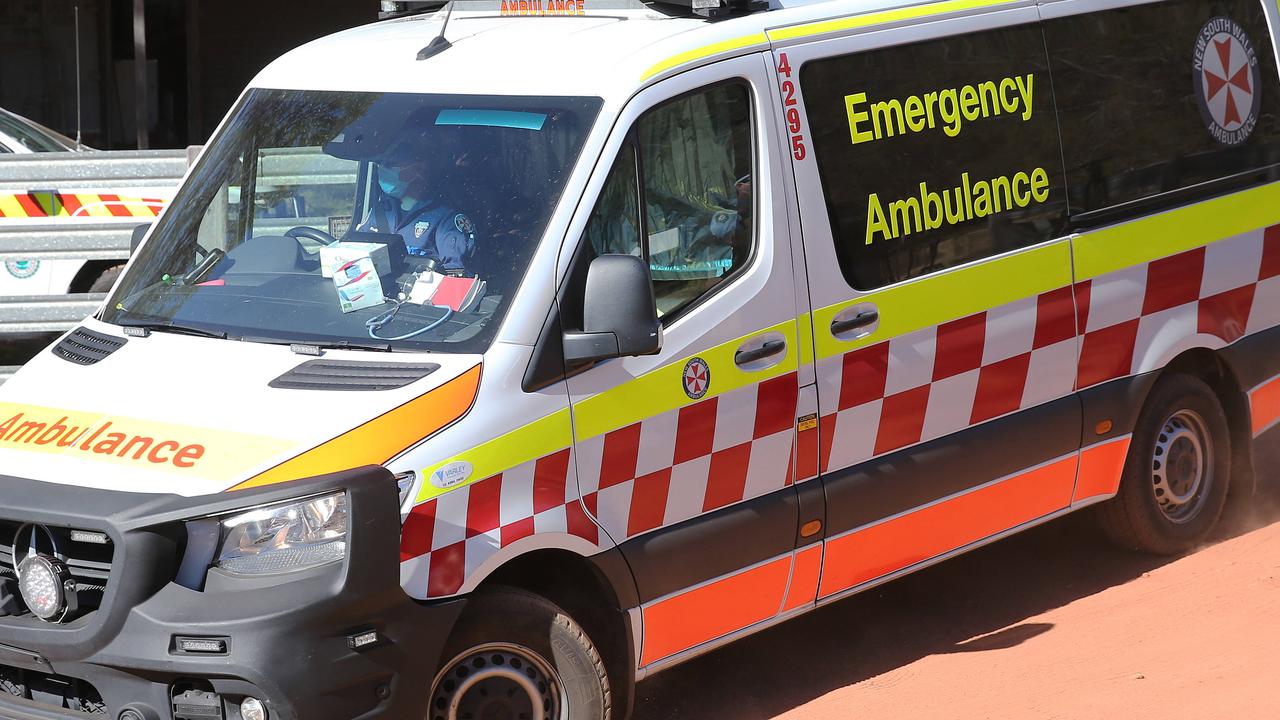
1228 81
697 378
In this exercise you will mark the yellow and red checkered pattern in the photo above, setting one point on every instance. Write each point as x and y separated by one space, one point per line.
56 204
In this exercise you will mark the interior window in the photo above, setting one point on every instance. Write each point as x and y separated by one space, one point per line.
695 166
1158 98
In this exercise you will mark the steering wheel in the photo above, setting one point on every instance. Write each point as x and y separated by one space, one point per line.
306 231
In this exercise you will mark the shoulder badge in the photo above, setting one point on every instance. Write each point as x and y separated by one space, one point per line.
421 227
463 223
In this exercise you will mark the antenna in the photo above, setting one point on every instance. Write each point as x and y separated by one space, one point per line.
438 44
79 144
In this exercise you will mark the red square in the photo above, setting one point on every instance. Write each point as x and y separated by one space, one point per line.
419 528
1107 354
1000 387
1055 318
807 453
776 405
484 506
959 347
621 449
1226 315
1173 281
577 521
728 479
902 419
648 502
1270 253
695 430
447 568
549 477
863 376
1082 291
517 530
826 436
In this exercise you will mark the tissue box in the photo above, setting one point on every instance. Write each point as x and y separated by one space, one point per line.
340 253
358 285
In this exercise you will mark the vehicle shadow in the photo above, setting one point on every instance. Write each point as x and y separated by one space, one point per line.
977 602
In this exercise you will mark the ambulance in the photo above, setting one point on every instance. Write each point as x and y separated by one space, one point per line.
625 331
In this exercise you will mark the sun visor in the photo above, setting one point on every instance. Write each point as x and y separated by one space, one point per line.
374 132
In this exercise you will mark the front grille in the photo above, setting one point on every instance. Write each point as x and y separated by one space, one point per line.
86 347
89 562
48 690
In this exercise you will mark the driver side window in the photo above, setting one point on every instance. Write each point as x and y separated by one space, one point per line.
689 166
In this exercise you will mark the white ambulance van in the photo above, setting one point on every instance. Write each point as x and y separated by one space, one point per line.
629 332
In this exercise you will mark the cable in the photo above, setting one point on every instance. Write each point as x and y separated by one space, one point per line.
377 323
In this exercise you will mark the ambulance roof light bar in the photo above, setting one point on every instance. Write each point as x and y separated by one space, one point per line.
715 9
711 9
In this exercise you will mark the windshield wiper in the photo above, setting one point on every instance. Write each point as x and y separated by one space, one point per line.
177 329
310 347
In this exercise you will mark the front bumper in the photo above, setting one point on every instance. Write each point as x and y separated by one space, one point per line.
286 636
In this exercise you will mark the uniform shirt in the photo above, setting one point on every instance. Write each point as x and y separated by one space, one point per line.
432 229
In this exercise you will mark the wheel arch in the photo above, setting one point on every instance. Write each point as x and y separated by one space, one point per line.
1216 371
597 591
89 272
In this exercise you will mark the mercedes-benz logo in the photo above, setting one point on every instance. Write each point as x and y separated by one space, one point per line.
44 581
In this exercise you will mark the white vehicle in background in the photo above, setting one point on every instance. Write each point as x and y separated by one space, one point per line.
19 135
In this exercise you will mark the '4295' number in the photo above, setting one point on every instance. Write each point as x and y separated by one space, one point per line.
792 108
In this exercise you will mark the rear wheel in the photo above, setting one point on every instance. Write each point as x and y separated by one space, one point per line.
107 280
517 656
1177 473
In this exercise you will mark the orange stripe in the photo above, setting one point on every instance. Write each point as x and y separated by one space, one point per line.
70 204
382 438
30 205
114 205
714 610
864 555
804 578
1264 404
1100 468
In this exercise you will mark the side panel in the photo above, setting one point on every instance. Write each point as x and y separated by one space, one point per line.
951 418
696 482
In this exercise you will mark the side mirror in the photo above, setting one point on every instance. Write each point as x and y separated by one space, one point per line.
618 316
139 233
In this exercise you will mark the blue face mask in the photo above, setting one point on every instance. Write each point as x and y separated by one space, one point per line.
391 181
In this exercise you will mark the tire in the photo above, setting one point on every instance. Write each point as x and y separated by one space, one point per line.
1177 473
511 646
104 282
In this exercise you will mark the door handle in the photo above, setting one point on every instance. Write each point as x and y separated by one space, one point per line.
769 349
861 320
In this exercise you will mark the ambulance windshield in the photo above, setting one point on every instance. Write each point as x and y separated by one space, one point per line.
367 220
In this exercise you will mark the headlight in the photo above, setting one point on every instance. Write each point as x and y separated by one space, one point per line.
286 537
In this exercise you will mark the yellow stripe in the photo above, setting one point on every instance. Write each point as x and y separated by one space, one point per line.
1142 241
135 206
805 328
940 298
92 206
662 389
705 52
537 439
880 18
10 207
649 395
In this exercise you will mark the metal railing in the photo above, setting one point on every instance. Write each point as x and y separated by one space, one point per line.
113 170
45 313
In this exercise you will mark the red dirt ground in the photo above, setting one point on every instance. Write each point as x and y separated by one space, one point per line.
1052 624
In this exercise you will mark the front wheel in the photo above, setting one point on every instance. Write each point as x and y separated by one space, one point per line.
517 656
1177 473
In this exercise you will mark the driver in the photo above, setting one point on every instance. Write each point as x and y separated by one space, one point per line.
406 205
